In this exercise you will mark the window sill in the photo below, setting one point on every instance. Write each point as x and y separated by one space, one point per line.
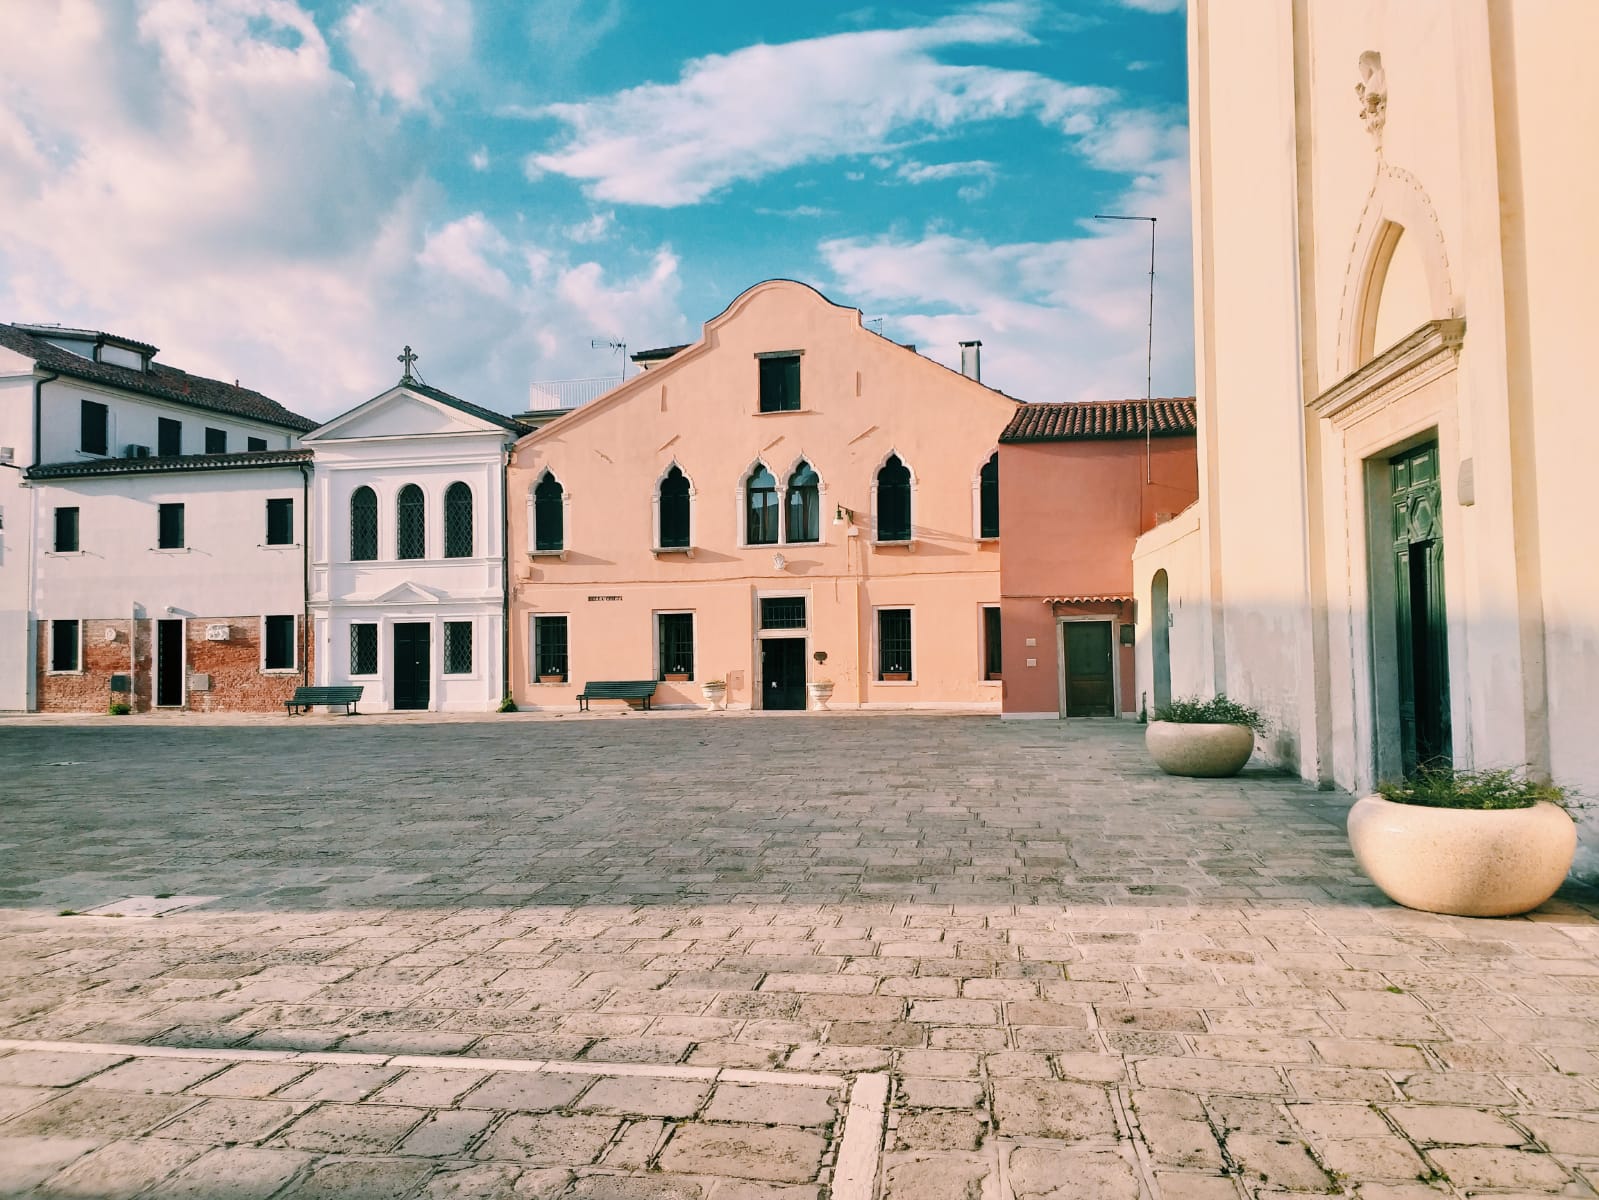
777 412
662 551
895 682
65 553
551 683
280 670
989 541
893 543
560 554
54 671
278 546
676 679
169 549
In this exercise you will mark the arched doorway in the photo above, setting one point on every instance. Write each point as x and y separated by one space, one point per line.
1160 636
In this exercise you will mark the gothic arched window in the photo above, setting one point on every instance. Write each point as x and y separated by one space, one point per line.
363 525
804 505
410 524
674 499
549 514
458 521
894 501
988 498
760 507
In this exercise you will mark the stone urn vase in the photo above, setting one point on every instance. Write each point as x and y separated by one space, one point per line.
821 692
1463 861
1203 751
715 693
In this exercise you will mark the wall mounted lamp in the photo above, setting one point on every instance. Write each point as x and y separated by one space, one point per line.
841 514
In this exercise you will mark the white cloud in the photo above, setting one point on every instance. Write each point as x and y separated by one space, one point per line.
597 227
403 47
143 174
915 172
479 159
1154 6
737 116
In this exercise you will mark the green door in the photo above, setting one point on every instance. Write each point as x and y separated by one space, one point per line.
1421 626
1090 682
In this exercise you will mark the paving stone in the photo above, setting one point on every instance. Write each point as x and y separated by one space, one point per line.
549 1139
434 1088
486 1181
350 1128
165 1075
391 1180
49 1068
782 1155
235 1173
1498 1167
336 1082
1048 1173
29 1160
527 1091
121 1169
1445 1125
1040 1108
919 1092
646 1097
250 1079
89 1112
770 1104
445 1134
1573 1135
1283 1162
223 1122
935 1176
633 1187
933 1129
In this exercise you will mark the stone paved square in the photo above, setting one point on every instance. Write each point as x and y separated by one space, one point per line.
671 946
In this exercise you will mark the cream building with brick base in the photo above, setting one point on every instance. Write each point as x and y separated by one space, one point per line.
1394 222
791 499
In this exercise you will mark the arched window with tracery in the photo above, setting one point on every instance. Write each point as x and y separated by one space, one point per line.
410 523
549 514
674 505
894 501
760 507
804 505
363 525
458 521
988 498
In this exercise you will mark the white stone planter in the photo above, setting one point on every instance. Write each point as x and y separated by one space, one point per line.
1467 862
715 695
1203 751
821 693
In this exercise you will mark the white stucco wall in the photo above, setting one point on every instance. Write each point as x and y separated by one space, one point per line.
16 516
133 419
1176 548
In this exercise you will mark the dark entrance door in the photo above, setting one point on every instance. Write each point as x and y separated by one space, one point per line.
783 673
413 665
1090 683
1423 634
169 664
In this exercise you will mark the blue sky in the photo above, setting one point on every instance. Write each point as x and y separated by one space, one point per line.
288 192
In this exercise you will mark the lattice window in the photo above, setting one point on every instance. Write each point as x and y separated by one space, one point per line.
549 514
549 649
363 525
457 521
783 612
894 643
363 649
894 501
457 647
760 507
804 505
988 498
411 516
677 645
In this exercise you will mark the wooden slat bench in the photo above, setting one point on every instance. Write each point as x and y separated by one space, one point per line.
306 697
616 689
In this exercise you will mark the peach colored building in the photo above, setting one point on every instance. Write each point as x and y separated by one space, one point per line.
790 499
1079 484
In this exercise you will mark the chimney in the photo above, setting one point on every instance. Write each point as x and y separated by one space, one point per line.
972 360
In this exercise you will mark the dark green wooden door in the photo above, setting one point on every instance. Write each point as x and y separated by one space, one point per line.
413 665
1090 682
783 673
1421 623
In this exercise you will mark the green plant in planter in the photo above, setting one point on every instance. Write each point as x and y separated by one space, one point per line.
119 708
1218 710
1445 787
506 705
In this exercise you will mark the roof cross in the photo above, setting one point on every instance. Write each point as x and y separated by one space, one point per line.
407 358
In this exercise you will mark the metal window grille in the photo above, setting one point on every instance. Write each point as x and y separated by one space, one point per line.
780 383
988 498
168 436
674 510
458 521
363 649
760 502
992 660
894 501
549 514
363 525
66 530
457 647
894 642
677 644
280 643
171 530
411 517
95 437
783 612
549 647
64 645
216 441
804 505
280 522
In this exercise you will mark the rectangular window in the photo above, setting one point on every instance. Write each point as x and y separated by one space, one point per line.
95 437
457 647
279 644
549 650
991 656
64 644
783 612
255 443
280 522
363 649
780 382
168 437
66 530
216 441
894 644
171 527
676 638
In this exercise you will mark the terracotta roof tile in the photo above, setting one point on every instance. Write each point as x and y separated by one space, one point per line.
243 460
1101 420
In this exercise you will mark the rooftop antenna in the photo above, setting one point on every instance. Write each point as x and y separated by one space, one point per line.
1149 350
876 324
619 347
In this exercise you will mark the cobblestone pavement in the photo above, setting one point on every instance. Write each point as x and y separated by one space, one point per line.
647 957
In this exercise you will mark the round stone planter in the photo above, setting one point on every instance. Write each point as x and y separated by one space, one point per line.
821 693
715 695
1201 751
1465 862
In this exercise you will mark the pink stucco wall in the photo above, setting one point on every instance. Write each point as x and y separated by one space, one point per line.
862 398
1070 512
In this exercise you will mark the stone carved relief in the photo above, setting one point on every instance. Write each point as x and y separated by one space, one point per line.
1372 91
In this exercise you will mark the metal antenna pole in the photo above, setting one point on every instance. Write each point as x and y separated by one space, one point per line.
1149 348
619 347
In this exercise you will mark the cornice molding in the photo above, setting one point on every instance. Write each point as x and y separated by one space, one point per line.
1420 357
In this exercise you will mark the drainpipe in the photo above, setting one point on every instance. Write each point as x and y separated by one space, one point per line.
38 408
32 698
305 574
505 571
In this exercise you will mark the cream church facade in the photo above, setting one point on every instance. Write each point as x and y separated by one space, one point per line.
1395 240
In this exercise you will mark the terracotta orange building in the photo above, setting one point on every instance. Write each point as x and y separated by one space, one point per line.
792 499
1078 484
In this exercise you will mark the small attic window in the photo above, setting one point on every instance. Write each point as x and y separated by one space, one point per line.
780 381
121 356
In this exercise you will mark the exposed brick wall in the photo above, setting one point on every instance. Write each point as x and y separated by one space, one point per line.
237 682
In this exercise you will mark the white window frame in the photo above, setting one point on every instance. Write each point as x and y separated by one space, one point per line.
877 638
822 520
566 518
377 656
655 520
876 471
294 529
294 645
655 639
50 668
430 527
533 619
742 495
444 656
